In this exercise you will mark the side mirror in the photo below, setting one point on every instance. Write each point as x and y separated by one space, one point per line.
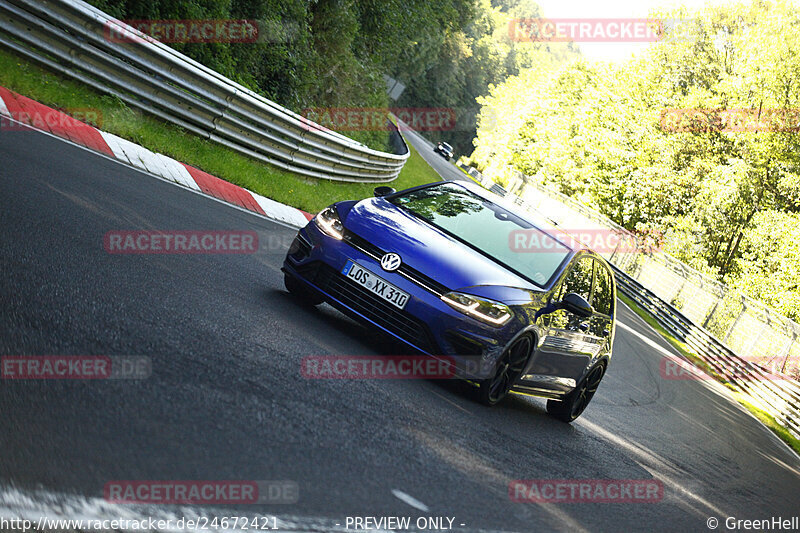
383 190
576 304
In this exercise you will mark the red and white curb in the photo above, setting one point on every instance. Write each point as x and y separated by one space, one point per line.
40 117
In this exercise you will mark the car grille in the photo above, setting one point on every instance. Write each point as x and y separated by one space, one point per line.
308 270
367 304
300 248
362 244
426 282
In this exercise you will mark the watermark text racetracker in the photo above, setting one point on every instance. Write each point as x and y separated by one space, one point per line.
183 31
376 367
50 119
395 367
180 242
375 118
209 492
751 368
696 120
600 30
74 367
586 491
601 240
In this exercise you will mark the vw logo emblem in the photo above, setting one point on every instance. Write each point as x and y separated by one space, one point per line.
390 262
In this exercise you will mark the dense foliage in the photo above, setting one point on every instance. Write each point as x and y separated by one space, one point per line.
728 201
464 63
335 53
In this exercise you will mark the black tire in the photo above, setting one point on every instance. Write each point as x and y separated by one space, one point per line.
574 403
297 290
493 390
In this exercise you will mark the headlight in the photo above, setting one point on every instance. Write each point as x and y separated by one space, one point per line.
493 313
329 222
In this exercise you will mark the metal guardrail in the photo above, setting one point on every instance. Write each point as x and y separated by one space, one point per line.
73 38
775 393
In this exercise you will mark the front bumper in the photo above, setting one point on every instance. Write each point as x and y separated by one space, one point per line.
427 324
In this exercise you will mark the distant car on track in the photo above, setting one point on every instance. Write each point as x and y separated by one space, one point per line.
444 149
437 267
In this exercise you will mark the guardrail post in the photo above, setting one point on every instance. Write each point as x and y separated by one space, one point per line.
735 321
788 350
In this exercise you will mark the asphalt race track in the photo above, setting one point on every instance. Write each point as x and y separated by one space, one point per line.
226 399
446 169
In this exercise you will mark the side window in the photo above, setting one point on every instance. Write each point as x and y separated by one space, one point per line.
603 298
579 280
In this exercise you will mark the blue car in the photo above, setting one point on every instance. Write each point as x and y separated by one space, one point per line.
458 273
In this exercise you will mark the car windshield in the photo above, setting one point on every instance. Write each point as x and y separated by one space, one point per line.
447 146
489 228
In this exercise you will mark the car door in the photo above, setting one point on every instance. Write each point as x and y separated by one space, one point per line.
601 325
570 342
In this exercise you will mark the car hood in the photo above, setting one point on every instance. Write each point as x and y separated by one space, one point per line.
426 248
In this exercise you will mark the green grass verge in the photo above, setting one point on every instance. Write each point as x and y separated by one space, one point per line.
767 419
679 345
308 194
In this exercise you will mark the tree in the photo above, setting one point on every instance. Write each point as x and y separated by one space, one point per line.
606 134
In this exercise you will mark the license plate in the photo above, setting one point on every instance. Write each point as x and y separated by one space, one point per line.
375 284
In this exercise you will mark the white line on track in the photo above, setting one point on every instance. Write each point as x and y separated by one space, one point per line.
410 500
451 402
